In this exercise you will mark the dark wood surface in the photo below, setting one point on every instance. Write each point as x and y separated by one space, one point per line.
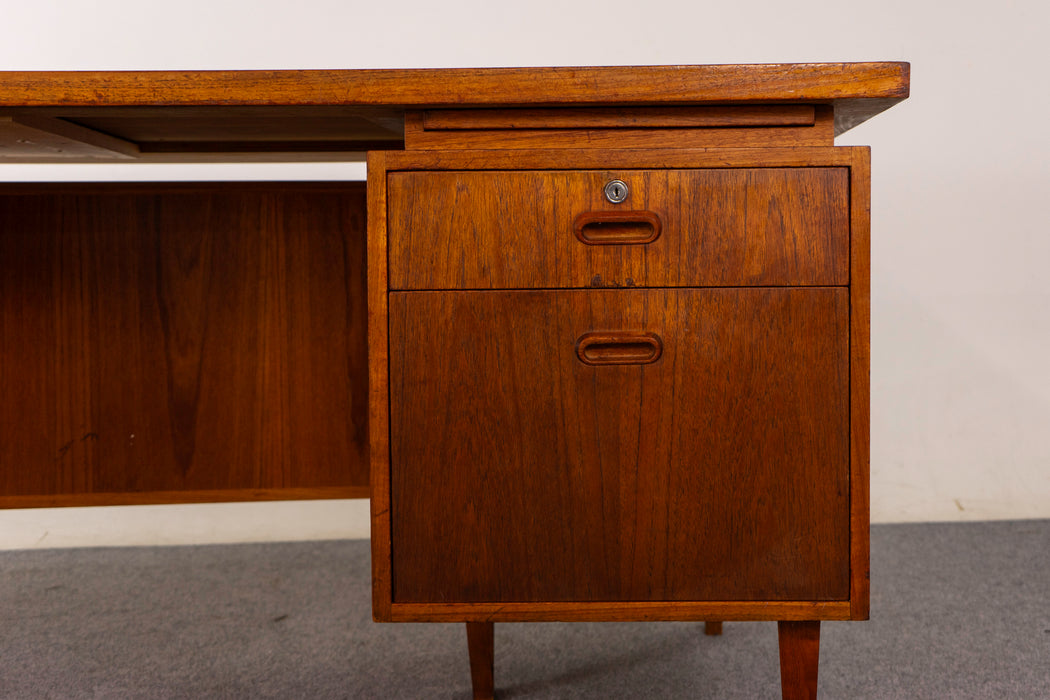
480 647
223 495
607 160
860 380
379 387
719 472
616 138
799 659
187 116
719 227
611 130
165 339
624 118
189 126
598 159
599 611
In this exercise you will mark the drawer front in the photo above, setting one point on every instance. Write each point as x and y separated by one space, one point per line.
631 445
676 228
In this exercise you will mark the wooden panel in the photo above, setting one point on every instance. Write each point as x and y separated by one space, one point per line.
205 133
622 118
378 386
480 643
868 87
161 151
605 159
760 126
132 498
719 227
719 472
246 129
860 371
177 338
799 659
820 135
26 136
607 612
188 126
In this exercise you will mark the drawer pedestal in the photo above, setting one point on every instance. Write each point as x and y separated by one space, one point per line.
662 419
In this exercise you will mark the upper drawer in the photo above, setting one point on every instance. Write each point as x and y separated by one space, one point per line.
680 228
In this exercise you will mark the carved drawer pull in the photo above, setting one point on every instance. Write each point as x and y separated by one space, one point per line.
619 348
617 227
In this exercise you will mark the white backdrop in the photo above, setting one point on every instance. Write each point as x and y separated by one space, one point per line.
960 235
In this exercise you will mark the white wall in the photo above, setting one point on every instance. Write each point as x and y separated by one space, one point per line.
960 245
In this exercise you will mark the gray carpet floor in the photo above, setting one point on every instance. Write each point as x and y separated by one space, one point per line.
958 611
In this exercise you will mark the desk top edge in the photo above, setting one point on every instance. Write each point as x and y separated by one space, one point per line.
624 85
337 115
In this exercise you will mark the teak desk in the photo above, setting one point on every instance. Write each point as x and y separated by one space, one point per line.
605 349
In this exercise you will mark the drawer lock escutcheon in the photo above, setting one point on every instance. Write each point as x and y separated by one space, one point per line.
619 348
616 191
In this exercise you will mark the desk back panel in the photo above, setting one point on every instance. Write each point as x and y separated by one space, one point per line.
181 343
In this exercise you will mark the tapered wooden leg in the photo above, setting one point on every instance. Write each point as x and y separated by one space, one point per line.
799 657
712 629
481 647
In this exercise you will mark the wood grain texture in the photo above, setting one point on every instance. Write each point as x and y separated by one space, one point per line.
480 643
720 472
620 118
860 380
864 84
618 611
618 138
181 338
378 387
619 128
799 659
608 159
416 138
205 116
720 227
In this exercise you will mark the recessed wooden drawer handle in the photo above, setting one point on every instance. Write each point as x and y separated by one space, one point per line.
617 227
619 348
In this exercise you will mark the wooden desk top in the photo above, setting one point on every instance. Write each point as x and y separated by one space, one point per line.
339 114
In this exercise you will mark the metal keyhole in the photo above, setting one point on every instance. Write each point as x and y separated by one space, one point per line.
616 191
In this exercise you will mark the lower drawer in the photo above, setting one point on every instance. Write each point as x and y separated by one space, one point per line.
620 445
